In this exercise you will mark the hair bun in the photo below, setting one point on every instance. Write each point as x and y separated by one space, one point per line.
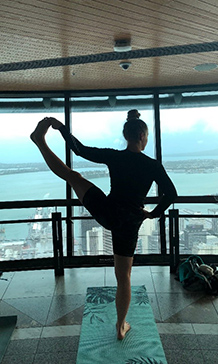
133 114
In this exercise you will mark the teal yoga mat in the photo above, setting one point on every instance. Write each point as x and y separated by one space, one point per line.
7 325
98 342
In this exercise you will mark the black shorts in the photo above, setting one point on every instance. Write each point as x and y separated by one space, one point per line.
123 223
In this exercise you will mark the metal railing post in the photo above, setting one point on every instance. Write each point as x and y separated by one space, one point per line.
57 243
174 239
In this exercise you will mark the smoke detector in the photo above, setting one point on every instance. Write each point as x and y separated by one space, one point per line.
122 45
205 67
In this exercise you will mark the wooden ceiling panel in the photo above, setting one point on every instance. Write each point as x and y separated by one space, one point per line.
38 29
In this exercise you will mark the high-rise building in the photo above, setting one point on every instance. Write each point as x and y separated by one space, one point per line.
99 241
84 226
194 234
214 221
145 232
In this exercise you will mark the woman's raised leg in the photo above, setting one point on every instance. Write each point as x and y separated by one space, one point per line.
75 180
123 266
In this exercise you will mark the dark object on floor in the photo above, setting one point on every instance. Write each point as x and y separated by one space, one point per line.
195 275
2 279
7 326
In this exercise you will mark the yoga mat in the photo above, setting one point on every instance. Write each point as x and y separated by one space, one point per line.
7 325
98 340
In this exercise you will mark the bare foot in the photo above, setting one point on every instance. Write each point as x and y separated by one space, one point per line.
121 332
40 131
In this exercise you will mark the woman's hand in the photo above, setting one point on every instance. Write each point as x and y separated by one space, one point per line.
147 214
56 124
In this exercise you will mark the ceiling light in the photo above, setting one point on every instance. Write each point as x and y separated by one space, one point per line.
122 45
205 67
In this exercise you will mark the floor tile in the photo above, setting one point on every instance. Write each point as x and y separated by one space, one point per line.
31 284
208 342
142 276
30 307
164 282
29 333
22 319
5 280
58 358
180 342
210 356
214 300
20 347
72 318
172 303
205 329
139 276
58 344
158 268
154 305
176 329
200 311
63 305
18 359
77 280
61 331
184 357
110 279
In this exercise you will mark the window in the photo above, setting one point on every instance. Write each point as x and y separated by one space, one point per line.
189 148
104 129
25 176
189 134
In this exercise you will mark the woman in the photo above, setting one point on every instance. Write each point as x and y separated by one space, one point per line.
131 174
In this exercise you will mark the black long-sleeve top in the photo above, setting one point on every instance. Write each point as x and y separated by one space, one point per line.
131 174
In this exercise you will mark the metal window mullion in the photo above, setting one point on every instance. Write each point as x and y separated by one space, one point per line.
158 155
69 209
174 239
57 243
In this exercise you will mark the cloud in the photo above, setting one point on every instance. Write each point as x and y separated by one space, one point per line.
97 126
186 120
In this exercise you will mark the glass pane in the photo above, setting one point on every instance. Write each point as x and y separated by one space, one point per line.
149 238
197 235
189 144
29 240
23 173
104 129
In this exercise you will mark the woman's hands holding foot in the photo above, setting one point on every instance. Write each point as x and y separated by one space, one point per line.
56 124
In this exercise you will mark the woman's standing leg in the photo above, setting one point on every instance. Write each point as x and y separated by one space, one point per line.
75 180
123 266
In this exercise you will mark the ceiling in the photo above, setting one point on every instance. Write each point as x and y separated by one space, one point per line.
46 29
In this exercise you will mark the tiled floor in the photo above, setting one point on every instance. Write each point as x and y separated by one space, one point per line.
50 309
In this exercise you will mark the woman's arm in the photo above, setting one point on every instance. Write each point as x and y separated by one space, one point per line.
167 188
97 155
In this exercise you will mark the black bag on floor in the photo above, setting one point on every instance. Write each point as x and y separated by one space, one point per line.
195 275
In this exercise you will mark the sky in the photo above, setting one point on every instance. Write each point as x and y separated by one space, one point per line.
183 130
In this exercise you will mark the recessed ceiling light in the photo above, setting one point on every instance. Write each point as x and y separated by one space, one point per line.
205 67
122 45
